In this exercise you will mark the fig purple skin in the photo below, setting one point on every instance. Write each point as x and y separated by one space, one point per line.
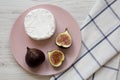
34 57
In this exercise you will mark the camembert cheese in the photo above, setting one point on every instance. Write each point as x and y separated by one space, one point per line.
39 24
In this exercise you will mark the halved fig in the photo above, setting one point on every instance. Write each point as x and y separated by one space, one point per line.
56 57
64 39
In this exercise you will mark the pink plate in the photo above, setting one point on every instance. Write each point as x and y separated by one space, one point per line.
19 41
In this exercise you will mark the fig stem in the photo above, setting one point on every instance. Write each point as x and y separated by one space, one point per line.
66 29
28 48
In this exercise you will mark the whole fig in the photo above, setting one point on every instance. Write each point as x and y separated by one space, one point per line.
34 57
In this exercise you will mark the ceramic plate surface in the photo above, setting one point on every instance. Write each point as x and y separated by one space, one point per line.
19 40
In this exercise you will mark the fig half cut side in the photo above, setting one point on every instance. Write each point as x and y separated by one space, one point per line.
56 58
64 39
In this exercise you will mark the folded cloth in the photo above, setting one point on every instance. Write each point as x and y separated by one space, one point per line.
109 71
100 44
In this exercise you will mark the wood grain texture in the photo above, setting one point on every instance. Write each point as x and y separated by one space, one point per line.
9 12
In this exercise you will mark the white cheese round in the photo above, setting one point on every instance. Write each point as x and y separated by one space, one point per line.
39 24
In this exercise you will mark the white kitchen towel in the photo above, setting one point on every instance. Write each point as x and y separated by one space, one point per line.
100 44
110 71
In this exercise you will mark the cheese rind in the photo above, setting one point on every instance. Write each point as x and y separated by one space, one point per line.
39 24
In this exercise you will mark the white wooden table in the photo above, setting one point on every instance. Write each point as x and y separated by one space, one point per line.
9 11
